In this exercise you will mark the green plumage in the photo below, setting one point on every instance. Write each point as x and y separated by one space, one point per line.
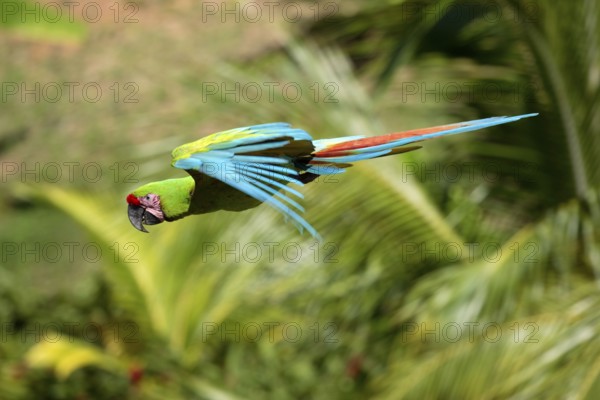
181 197
175 196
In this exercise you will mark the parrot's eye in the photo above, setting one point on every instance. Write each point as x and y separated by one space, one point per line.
147 197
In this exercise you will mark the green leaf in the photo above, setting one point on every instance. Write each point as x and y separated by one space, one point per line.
68 355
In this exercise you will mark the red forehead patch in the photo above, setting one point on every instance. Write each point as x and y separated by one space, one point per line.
131 199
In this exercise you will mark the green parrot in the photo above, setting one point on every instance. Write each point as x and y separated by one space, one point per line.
239 169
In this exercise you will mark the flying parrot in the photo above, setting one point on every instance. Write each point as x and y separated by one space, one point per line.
238 169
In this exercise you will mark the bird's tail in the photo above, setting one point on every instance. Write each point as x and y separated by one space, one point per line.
333 155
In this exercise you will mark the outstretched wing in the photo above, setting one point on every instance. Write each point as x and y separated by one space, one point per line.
256 160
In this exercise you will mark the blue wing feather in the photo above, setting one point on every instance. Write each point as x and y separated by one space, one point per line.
257 176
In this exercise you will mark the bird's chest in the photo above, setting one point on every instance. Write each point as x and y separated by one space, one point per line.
213 195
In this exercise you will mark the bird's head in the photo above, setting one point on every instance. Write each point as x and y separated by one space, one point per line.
144 209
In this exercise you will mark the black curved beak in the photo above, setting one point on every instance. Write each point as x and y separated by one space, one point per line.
136 217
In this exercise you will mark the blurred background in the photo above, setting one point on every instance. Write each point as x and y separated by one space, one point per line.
467 269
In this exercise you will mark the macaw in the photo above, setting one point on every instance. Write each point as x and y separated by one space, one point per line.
238 169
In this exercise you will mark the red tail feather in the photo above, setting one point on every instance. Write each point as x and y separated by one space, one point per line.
345 148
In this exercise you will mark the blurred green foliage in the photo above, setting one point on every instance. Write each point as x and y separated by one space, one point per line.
47 22
468 269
